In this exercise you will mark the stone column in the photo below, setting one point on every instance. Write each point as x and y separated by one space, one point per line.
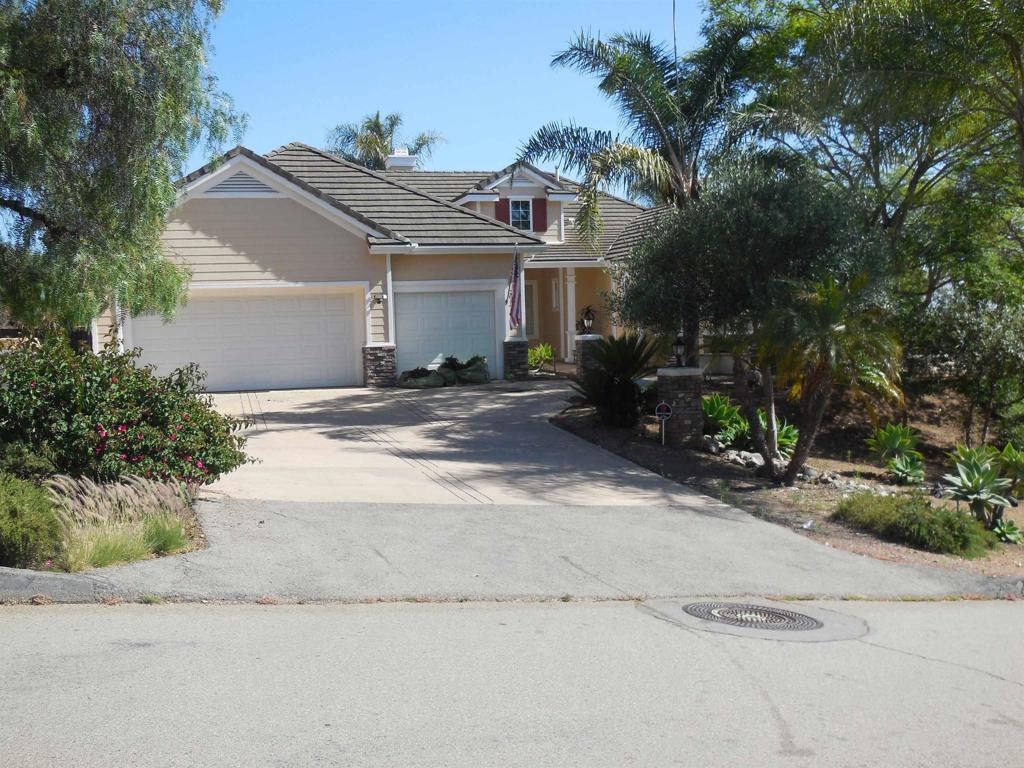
380 366
681 388
585 344
516 361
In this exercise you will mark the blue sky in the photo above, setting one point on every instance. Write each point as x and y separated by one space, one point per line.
477 72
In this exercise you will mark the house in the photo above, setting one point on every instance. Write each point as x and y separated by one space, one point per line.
308 270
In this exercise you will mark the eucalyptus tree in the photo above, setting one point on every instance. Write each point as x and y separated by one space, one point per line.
370 141
101 102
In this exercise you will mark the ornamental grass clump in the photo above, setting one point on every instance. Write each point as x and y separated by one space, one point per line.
108 523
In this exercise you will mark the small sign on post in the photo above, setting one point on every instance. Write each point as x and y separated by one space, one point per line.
663 412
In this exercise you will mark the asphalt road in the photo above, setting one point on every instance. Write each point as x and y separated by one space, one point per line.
505 684
351 552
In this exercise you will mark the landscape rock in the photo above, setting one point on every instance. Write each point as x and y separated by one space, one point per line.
711 444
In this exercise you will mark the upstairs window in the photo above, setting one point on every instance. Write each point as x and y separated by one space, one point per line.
521 214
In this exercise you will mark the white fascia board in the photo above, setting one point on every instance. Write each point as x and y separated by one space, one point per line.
195 190
559 195
520 173
531 264
436 249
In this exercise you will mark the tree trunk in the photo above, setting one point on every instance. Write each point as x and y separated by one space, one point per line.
691 333
746 396
812 410
772 432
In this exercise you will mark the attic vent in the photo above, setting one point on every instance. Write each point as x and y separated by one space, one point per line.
241 184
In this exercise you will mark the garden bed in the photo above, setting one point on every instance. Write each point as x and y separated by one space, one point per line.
805 508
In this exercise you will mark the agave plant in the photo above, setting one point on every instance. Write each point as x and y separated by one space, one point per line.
1011 464
906 470
894 441
1008 532
978 484
719 413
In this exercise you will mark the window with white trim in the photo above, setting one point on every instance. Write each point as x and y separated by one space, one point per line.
520 214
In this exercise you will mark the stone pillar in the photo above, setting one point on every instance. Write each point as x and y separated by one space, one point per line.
681 388
517 365
380 366
584 356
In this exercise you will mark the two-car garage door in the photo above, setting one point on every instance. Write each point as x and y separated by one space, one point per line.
259 341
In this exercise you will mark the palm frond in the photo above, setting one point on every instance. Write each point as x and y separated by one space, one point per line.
572 144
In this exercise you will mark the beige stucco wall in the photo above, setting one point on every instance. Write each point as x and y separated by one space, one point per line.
482 266
591 284
256 240
548 315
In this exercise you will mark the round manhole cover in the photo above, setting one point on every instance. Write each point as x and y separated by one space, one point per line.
752 616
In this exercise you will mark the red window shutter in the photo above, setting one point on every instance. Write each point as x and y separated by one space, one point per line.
501 212
540 214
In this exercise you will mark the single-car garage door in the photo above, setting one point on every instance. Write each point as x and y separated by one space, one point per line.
259 341
431 326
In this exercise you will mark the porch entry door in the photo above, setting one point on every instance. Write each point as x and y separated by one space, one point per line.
430 326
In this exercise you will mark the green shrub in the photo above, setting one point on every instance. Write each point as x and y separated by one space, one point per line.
30 531
103 417
22 461
915 521
894 441
540 355
906 470
612 386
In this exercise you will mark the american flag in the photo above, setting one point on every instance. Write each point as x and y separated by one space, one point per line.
515 308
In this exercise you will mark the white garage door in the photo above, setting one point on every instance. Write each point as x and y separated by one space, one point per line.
431 326
259 341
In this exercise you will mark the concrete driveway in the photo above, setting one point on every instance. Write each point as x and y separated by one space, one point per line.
471 445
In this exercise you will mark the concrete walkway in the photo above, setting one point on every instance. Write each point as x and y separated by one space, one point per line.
485 684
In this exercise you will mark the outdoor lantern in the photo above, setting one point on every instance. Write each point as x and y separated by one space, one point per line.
588 318
679 347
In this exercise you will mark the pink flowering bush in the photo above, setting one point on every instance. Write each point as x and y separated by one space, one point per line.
102 417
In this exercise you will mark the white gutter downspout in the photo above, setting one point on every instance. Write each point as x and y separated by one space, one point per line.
391 302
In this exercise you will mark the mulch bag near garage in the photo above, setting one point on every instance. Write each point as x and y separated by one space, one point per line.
476 373
431 380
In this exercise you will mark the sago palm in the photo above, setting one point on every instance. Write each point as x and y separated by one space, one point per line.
372 139
832 334
673 111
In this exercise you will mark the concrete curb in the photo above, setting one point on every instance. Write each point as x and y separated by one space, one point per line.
20 585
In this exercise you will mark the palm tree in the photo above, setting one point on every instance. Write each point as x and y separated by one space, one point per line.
833 334
372 139
674 111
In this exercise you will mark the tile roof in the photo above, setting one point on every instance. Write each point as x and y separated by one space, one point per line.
447 185
407 213
636 230
616 214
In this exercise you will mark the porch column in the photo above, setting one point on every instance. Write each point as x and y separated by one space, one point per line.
570 315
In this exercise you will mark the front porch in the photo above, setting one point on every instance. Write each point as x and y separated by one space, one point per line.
555 297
